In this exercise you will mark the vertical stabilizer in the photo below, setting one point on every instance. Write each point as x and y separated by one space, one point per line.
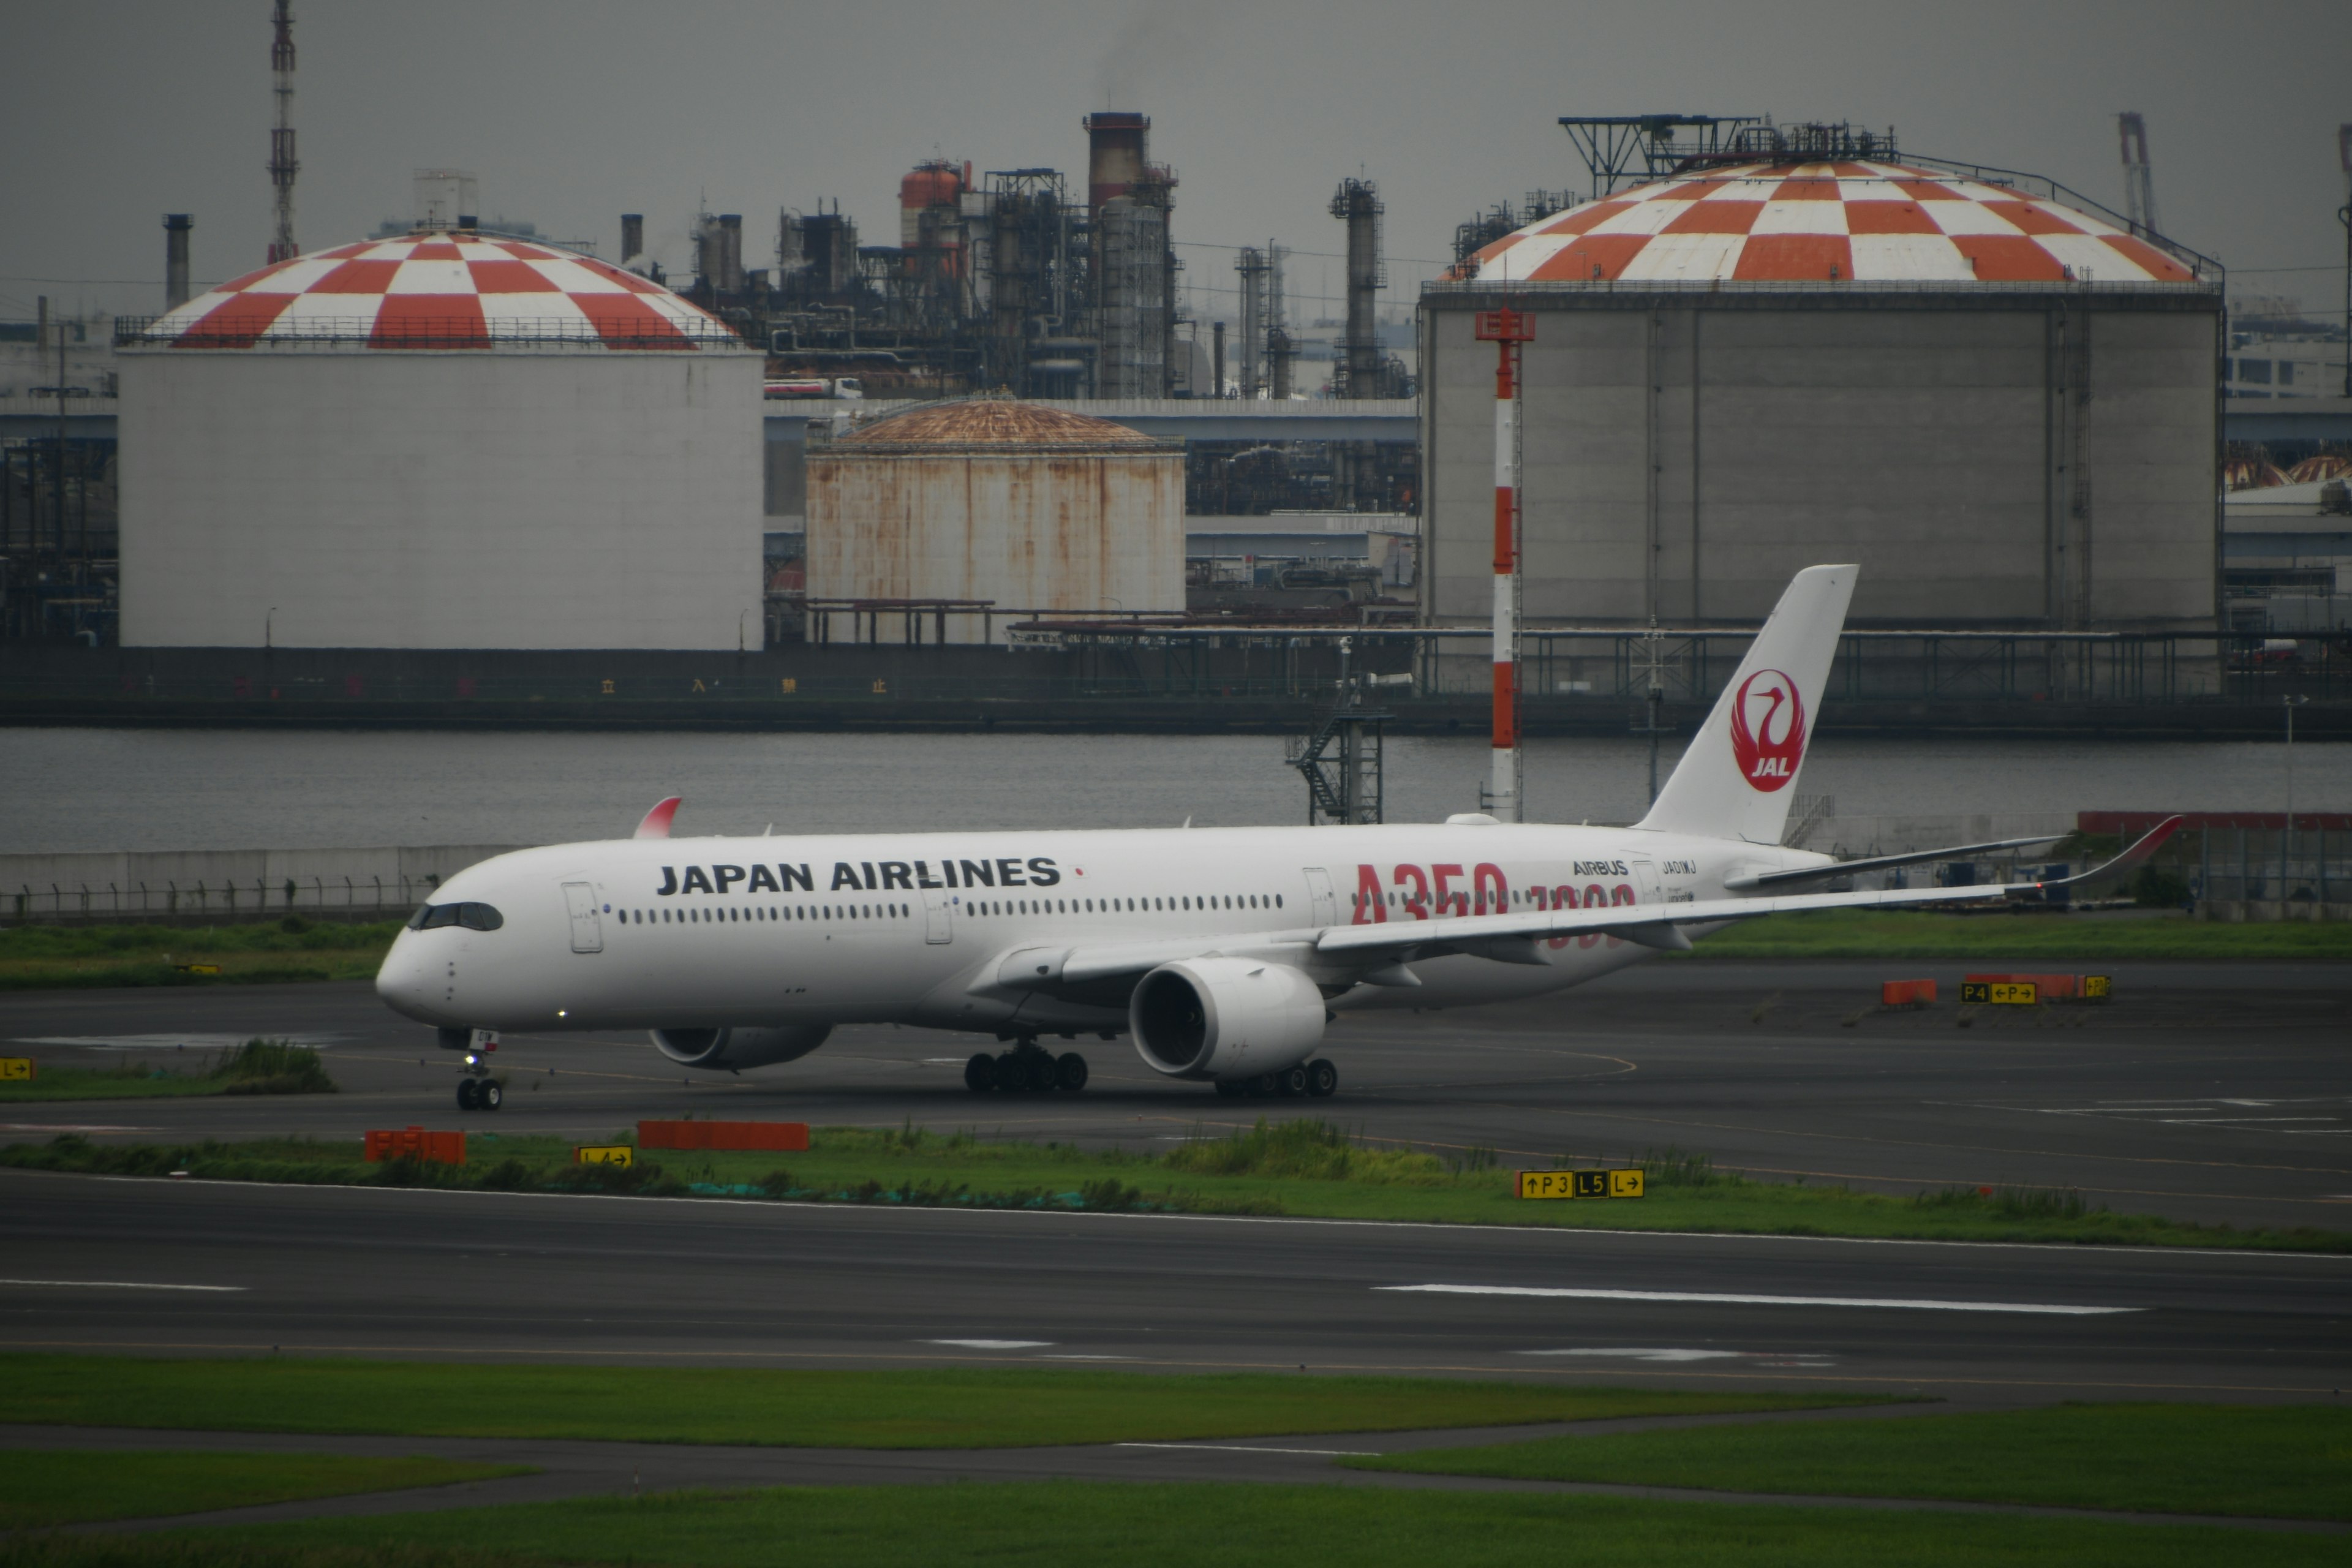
1739 778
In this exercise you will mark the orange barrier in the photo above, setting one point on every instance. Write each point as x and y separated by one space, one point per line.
2051 988
782 1136
1906 994
416 1143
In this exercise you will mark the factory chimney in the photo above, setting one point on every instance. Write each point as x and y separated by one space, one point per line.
282 162
1217 358
1357 203
176 259
1116 156
633 236
2139 185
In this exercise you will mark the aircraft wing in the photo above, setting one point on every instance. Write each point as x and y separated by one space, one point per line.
1882 863
1510 938
1102 973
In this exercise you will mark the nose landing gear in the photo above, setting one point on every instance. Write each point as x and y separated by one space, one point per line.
477 1090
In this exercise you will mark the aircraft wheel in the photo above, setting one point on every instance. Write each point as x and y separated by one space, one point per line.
1292 1082
1070 1071
980 1073
1040 1071
1322 1079
1265 1085
1011 1076
490 1096
1229 1089
468 1092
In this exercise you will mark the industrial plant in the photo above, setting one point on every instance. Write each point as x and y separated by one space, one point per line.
2073 464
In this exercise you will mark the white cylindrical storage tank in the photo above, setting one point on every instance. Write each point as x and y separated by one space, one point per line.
1014 505
2001 404
445 440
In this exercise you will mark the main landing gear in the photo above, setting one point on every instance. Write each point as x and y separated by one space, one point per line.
1027 1068
1317 1079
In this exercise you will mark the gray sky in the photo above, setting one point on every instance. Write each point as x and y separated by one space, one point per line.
119 111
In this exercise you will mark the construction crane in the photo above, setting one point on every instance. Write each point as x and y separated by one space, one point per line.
2139 186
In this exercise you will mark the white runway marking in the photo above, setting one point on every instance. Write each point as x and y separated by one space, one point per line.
1770 1358
991 1344
1646 1354
117 1285
1252 1449
1907 1304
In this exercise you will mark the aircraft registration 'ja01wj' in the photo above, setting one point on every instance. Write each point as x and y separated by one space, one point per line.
1224 953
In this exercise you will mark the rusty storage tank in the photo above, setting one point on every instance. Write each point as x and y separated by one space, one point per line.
1018 505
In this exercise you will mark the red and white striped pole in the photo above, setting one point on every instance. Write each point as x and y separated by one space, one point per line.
1506 329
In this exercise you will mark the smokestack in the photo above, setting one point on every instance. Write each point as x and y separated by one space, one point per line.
729 277
176 259
1357 203
633 236
1115 156
1217 358
282 162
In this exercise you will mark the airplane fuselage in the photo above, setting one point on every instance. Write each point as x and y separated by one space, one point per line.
916 928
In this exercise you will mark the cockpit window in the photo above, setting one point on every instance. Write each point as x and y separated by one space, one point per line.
473 917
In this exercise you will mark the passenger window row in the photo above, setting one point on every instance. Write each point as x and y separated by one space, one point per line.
724 914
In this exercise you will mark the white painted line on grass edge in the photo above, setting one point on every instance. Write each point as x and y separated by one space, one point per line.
1743 1300
117 1285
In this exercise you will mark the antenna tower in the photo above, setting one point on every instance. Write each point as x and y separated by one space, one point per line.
282 163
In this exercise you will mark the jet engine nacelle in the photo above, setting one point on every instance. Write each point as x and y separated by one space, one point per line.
733 1049
1224 1017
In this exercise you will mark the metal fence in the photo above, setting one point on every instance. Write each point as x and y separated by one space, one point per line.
2307 866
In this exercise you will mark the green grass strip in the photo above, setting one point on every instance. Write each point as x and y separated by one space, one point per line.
1998 937
257 1066
1047 1524
2289 1461
60 1486
1303 1167
43 957
987 1407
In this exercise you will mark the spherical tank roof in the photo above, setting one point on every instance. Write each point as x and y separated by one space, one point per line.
436 289
1823 223
998 422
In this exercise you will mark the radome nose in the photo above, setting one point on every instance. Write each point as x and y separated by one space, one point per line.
402 982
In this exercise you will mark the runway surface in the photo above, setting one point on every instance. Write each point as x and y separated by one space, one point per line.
2205 1091
98 1263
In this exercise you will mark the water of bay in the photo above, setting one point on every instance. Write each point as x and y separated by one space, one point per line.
73 789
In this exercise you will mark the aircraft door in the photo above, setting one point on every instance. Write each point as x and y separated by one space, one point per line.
587 930
1645 883
936 928
1322 902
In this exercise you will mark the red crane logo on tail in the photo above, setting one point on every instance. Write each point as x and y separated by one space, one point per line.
1768 730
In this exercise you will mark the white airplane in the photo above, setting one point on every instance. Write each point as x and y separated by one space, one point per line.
1224 953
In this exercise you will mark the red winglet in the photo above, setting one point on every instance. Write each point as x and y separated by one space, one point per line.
2150 843
657 820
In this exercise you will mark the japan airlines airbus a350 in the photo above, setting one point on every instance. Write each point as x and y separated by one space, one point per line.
1223 953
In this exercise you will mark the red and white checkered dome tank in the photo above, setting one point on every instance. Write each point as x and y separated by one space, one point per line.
1823 223
441 291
